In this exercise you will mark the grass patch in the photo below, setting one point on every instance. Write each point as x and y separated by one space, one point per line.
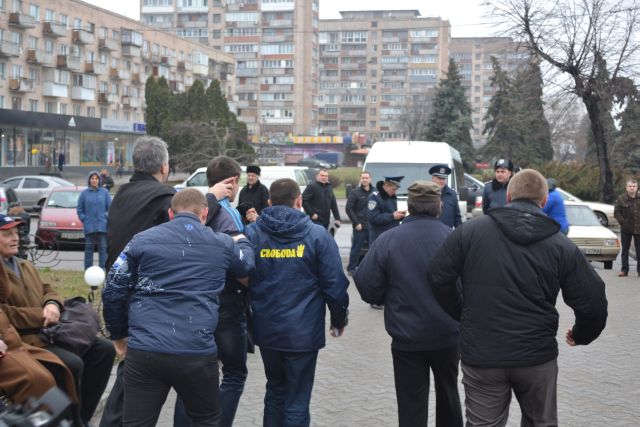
67 283
341 176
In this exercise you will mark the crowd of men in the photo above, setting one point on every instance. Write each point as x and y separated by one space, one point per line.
194 283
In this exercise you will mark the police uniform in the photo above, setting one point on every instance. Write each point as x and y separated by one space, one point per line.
495 193
381 207
450 214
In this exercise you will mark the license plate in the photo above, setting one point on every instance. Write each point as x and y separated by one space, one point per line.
72 235
591 251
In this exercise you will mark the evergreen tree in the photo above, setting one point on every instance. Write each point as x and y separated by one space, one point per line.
450 119
158 100
625 153
217 107
197 102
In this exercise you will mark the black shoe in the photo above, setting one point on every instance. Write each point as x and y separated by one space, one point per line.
377 306
623 274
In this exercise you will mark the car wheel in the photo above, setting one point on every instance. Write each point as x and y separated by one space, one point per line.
608 265
602 218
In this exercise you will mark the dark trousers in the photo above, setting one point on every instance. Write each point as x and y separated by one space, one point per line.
148 377
488 394
359 241
411 373
625 241
112 413
290 377
100 241
91 373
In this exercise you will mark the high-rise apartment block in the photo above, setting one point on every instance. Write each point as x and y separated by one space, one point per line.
72 79
276 48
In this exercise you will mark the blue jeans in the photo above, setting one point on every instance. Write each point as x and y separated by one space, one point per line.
360 240
290 378
99 240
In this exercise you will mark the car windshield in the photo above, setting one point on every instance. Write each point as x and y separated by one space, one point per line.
581 216
411 172
63 199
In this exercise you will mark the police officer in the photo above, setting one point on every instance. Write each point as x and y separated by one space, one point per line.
383 207
495 191
450 213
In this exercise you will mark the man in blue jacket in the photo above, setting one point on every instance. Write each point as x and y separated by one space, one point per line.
93 205
161 309
555 207
298 273
424 337
383 207
450 213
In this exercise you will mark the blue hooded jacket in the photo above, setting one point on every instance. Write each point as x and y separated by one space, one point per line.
93 206
556 211
298 273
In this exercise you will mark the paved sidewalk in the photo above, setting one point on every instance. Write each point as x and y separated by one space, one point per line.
598 384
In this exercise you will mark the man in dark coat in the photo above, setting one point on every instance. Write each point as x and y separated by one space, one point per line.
383 207
423 336
495 191
627 212
318 200
359 215
253 196
450 213
513 262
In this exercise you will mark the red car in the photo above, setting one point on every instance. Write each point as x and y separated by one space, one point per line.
59 225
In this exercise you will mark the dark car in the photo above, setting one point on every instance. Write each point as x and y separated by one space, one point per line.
314 163
475 188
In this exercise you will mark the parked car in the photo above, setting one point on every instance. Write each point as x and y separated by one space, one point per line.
7 198
315 163
603 211
475 189
59 225
596 242
33 189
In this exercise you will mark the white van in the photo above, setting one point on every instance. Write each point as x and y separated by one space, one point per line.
413 159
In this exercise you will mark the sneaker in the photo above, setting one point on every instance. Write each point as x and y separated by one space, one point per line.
623 274
377 306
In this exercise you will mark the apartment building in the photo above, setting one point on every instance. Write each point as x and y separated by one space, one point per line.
276 48
72 79
372 64
473 56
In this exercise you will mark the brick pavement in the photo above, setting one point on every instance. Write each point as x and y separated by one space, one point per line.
598 384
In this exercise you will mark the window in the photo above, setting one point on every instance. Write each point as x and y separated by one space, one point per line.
77 109
33 105
91 111
3 70
77 24
34 183
216 18
34 11
353 37
34 75
33 42
64 20
48 46
63 108
242 17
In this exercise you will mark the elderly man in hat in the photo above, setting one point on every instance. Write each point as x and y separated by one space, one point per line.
254 196
383 207
450 213
423 336
495 191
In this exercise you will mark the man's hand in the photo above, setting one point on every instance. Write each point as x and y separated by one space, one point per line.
223 189
337 223
3 347
314 217
51 314
359 227
251 215
238 237
121 347
335 332
569 337
399 215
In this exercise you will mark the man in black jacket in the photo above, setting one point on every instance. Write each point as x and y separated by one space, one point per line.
513 263
253 196
318 200
495 191
359 215
423 336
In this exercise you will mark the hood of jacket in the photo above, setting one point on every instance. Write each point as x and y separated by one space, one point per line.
523 222
284 224
89 178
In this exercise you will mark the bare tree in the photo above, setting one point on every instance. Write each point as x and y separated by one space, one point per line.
565 114
414 114
593 43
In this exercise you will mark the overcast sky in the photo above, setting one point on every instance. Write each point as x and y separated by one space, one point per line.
465 15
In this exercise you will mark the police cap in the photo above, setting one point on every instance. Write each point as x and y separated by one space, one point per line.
504 164
441 171
394 179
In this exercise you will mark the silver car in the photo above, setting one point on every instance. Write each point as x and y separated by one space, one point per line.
33 189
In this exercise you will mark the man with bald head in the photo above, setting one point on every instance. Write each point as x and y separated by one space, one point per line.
512 264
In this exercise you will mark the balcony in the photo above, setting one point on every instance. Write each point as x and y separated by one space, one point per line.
128 101
55 89
200 69
53 29
90 67
137 78
35 56
176 86
185 66
82 37
21 84
130 51
107 44
21 20
103 98
117 74
69 62
169 60
8 49
79 93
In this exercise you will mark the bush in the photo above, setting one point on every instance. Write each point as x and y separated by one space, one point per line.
581 179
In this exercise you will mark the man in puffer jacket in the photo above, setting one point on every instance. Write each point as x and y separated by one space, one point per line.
92 209
298 273
513 263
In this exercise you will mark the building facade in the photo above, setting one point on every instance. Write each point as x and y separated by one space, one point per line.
276 47
72 80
